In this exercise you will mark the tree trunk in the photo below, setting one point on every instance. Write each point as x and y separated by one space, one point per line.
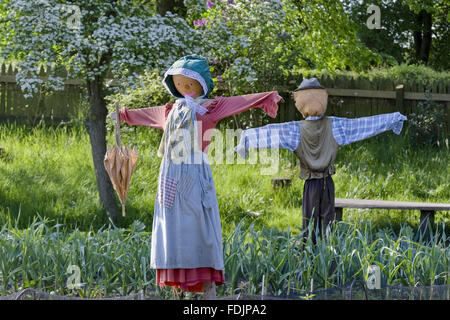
423 36
426 38
97 135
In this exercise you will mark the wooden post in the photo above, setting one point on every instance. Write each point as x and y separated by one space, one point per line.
10 88
3 92
280 182
426 218
292 111
338 213
399 98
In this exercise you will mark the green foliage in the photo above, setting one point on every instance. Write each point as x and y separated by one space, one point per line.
150 93
115 261
395 18
272 38
399 20
404 73
329 37
388 167
38 175
409 75
427 124
289 263
249 53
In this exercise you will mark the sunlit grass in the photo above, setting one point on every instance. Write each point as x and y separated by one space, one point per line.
49 172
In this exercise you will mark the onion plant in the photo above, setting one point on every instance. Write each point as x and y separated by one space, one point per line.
115 261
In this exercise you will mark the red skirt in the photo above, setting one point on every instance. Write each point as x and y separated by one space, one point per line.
189 279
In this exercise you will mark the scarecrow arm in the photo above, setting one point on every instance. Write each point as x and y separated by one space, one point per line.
154 117
228 106
346 131
272 136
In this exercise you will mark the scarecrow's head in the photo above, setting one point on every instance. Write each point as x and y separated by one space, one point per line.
311 98
189 76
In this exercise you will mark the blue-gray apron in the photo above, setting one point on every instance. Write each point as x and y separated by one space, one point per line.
186 223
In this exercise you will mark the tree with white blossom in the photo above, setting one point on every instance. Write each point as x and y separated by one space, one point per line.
90 40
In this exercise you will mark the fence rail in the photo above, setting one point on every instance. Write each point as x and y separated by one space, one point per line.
386 94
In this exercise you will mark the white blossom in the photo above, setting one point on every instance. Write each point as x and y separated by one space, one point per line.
132 41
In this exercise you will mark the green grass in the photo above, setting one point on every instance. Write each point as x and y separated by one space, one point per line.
384 167
49 172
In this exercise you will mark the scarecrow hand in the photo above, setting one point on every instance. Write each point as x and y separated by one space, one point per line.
113 116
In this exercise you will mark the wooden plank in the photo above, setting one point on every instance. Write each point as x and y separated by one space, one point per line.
326 80
361 93
383 94
20 103
3 99
441 87
421 96
400 96
9 99
11 78
2 92
447 112
369 107
281 182
382 204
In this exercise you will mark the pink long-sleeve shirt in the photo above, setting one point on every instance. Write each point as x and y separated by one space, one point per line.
218 109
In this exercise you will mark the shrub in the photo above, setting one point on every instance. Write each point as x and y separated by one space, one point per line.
427 124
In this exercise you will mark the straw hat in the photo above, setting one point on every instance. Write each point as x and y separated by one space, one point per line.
311 98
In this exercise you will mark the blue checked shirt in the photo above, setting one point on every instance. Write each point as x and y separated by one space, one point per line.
345 131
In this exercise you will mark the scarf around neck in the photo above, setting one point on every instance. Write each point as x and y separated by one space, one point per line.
193 104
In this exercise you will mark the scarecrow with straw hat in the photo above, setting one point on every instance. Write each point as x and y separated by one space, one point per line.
315 142
186 235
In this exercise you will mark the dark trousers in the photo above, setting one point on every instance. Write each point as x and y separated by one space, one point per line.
318 205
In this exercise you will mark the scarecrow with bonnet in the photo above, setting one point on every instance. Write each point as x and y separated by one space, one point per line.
315 142
186 246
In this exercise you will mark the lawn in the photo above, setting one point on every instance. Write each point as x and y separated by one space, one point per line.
48 172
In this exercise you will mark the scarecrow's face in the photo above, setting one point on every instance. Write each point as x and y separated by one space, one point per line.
311 102
187 86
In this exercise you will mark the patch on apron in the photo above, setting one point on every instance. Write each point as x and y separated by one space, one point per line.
167 191
185 184
208 196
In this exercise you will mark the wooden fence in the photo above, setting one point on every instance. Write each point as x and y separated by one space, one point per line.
347 98
52 107
353 103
